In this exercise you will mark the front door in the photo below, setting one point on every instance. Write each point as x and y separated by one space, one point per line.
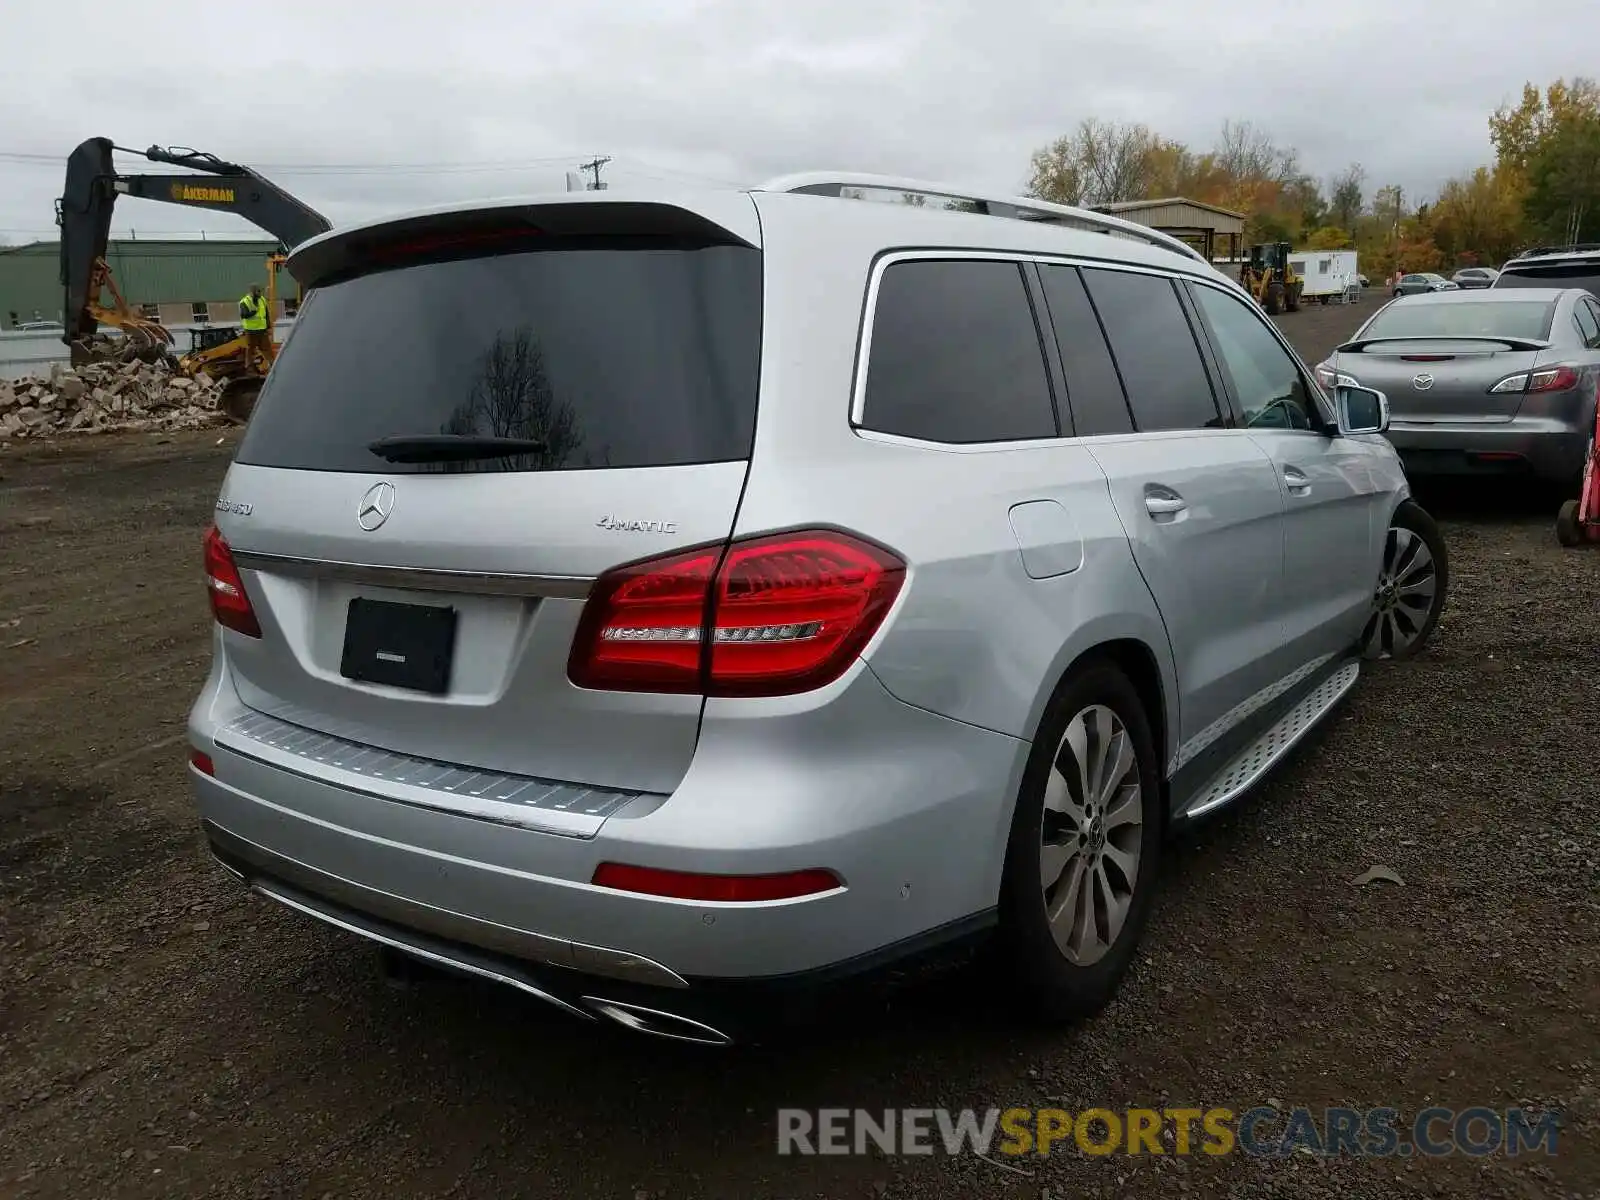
1331 496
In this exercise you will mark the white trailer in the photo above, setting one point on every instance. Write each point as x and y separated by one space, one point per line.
1330 276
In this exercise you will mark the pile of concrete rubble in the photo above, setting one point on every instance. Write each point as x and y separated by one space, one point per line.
106 397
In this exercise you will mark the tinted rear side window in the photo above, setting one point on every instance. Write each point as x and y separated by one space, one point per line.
1094 392
1155 350
1584 275
955 355
612 357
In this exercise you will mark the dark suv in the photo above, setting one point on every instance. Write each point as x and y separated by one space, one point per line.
1554 267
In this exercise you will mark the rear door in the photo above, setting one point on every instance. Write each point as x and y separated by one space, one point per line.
619 344
1199 501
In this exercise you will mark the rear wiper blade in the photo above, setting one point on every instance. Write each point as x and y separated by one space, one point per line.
451 447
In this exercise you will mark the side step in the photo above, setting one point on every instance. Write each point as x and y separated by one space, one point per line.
1258 757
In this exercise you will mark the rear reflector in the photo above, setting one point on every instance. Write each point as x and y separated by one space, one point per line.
201 761
767 616
683 885
229 603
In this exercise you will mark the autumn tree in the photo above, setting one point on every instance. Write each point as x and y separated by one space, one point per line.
1548 145
1478 218
1346 197
1563 196
1101 162
1329 237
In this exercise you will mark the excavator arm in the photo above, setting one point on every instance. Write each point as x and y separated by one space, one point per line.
90 194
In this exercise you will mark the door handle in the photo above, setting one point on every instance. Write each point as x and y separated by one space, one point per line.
1162 502
1297 481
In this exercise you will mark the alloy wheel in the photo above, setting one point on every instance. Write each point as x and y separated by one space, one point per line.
1404 597
1092 835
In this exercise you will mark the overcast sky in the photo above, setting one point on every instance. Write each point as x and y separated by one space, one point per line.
487 97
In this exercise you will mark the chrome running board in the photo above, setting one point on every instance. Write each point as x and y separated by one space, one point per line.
1258 758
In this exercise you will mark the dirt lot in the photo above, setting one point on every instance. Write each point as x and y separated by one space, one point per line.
163 1035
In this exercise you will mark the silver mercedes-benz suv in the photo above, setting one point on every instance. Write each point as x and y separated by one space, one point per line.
669 604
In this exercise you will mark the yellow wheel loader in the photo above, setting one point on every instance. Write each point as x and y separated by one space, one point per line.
1271 278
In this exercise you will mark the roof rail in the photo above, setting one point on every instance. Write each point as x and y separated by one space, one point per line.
833 183
1573 248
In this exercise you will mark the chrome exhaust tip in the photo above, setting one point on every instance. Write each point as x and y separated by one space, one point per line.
657 1023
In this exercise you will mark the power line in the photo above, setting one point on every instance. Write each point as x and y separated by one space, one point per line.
25 158
57 161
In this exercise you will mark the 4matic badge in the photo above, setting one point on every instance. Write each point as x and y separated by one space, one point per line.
629 525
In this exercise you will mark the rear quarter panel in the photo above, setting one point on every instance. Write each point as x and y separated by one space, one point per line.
974 637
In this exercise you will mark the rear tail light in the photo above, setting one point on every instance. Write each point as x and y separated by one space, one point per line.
684 885
1331 379
1545 379
230 605
767 616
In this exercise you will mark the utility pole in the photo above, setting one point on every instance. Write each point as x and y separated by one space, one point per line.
1399 207
594 165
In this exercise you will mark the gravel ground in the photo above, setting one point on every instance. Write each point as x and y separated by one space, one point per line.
163 1035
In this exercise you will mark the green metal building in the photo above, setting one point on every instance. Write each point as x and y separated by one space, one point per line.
179 282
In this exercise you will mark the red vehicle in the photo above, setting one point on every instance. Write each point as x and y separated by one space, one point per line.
1579 520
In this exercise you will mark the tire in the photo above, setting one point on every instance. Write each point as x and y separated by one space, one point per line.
1291 298
1404 613
1567 531
1096 697
1273 304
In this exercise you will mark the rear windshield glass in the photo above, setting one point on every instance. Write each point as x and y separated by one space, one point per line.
1489 318
1583 275
610 357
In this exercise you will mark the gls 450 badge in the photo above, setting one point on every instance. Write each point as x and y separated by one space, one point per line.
628 525
235 507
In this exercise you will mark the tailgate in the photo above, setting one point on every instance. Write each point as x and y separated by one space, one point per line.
467 427
1444 380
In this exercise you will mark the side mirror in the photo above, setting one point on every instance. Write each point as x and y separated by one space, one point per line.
1361 410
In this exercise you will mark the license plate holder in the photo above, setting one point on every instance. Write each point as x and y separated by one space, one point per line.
408 646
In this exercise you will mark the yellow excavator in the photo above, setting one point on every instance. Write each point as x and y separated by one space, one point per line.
1269 276
84 215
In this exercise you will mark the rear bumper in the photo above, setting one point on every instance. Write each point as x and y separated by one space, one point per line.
1542 447
706 1011
910 810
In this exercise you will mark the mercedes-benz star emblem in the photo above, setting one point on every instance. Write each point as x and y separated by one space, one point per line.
376 506
1422 382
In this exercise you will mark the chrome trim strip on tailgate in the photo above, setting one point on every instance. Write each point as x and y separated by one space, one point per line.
552 587
545 805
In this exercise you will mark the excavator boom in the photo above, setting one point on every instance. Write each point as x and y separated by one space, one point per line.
90 194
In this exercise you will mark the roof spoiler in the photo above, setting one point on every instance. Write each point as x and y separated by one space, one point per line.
1515 343
357 250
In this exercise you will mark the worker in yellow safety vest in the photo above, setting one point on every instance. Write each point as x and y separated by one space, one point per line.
255 318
